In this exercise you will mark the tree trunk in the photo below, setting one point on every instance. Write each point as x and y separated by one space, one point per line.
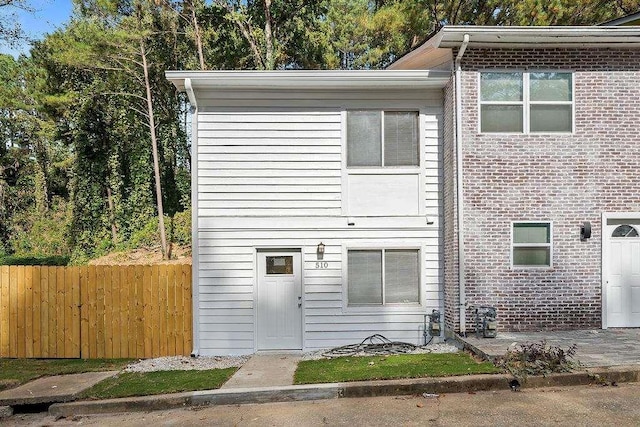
268 36
154 145
198 36
112 217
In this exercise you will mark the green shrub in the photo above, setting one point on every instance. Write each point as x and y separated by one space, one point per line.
178 231
146 236
181 228
29 260
41 234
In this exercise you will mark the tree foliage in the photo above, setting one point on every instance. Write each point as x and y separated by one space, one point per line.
80 116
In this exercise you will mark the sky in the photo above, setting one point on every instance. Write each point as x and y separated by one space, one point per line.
48 15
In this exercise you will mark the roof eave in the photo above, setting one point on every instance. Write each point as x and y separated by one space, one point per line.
540 37
308 80
450 37
623 20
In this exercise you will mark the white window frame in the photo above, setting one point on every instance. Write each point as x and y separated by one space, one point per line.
549 245
419 170
382 112
384 307
526 102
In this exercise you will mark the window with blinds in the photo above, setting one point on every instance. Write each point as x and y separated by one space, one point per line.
382 138
383 277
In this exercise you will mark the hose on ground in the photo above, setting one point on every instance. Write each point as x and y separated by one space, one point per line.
374 345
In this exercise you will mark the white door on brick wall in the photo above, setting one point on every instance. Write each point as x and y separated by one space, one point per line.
622 279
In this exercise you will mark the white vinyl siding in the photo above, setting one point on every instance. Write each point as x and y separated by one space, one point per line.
270 176
246 169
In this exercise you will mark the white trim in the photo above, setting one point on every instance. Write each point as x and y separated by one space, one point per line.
543 37
418 170
343 162
382 245
604 251
195 262
421 117
311 79
604 259
422 145
549 245
459 150
526 102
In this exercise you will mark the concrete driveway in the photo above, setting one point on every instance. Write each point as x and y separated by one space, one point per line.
596 347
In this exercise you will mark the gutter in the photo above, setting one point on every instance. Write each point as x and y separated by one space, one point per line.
195 276
459 187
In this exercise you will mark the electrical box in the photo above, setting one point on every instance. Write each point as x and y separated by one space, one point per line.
434 323
485 321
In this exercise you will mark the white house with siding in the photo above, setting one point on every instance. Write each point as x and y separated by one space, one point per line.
491 166
289 162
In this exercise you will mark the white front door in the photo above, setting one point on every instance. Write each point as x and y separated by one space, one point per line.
623 273
279 318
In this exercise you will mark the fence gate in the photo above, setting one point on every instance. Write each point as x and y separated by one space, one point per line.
95 311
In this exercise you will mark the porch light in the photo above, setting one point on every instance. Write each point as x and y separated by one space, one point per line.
320 250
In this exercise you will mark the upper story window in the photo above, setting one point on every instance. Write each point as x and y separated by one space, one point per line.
382 138
526 102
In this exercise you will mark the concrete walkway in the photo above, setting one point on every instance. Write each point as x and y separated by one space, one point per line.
265 370
59 388
597 347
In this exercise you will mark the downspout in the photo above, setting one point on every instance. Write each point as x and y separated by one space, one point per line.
459 188
195 277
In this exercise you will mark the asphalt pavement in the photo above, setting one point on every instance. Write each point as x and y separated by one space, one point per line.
592 405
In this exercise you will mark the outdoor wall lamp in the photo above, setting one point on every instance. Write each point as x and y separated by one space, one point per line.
320 250
585 230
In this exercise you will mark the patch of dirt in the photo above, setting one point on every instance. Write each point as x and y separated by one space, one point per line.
5 384
145 256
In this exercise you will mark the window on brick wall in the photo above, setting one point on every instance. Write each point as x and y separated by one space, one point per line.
531 244
383 277
526 102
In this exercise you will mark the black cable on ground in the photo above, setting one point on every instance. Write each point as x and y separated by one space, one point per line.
374 345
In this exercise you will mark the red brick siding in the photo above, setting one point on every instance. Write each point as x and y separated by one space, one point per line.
566 179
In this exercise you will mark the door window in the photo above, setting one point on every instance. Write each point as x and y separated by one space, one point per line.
624 231
280 264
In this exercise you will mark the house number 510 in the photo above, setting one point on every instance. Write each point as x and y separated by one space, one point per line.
322 264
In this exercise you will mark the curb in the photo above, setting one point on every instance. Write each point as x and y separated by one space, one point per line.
464 384
473 349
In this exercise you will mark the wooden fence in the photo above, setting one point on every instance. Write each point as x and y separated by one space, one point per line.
95 311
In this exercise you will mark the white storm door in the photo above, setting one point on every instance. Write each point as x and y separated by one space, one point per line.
623 282
279 307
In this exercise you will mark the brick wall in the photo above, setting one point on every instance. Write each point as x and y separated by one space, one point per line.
566 179
451 289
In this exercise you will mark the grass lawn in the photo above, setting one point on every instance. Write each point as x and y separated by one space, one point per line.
146 383
24 370
342 369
